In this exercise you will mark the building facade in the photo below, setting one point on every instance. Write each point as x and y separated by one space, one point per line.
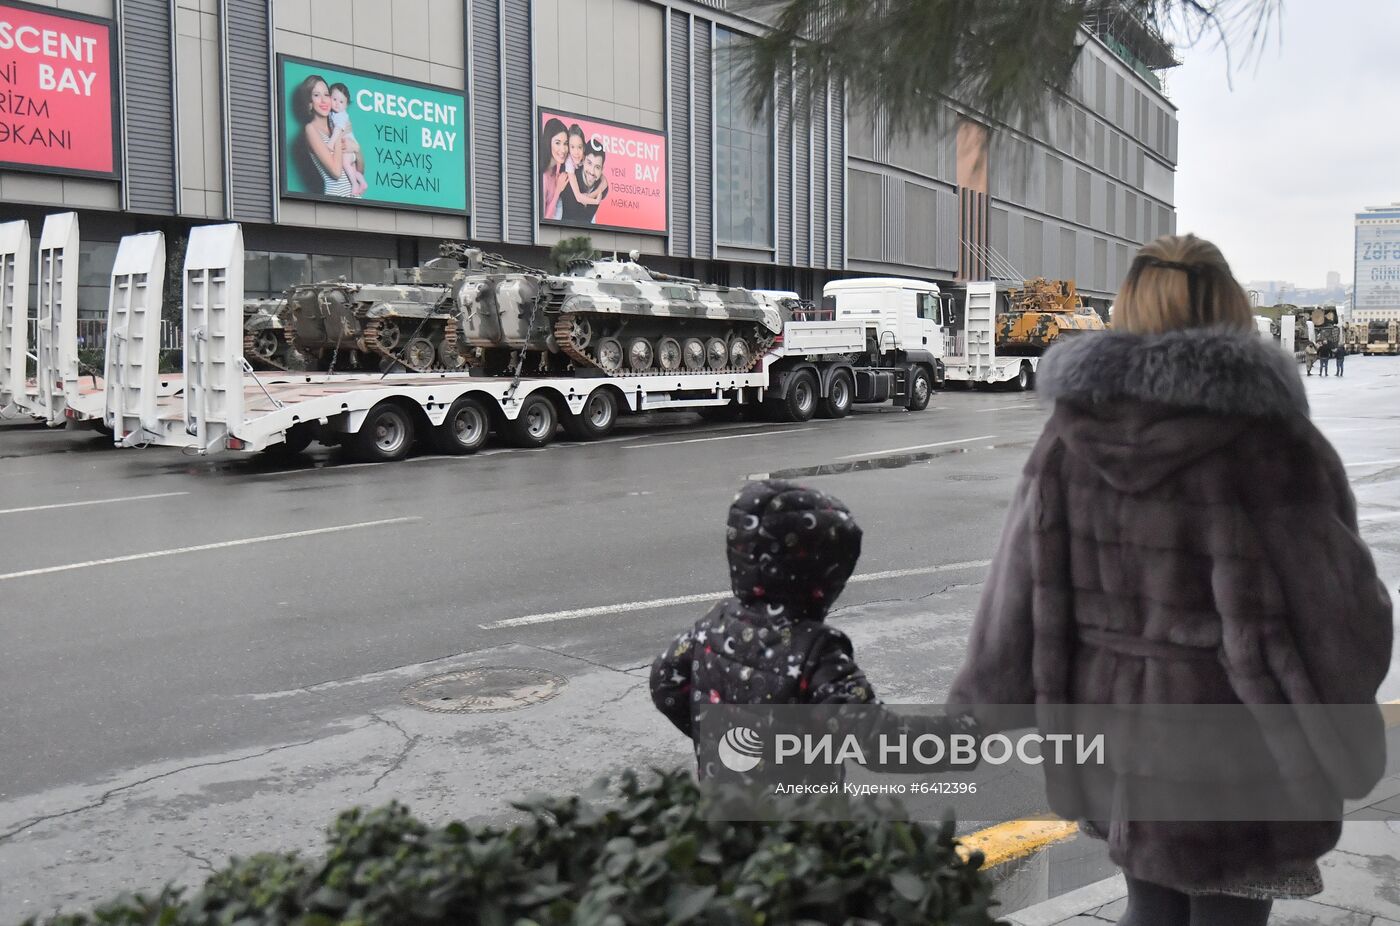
1376 286
515 123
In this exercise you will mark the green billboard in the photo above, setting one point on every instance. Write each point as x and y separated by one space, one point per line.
353 137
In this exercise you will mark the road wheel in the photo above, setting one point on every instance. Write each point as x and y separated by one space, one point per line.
420 354
640 355
840 393
535 425
800 403
596 419
1024 377
385 436
693 354
450 357
716 354
920 389
668 355
465 428
609 356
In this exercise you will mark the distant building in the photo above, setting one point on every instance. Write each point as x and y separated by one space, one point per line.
1334 280
1376 290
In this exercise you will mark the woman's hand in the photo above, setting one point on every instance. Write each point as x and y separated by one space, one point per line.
562 182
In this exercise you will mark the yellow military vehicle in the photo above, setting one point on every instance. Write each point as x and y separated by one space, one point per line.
1038 314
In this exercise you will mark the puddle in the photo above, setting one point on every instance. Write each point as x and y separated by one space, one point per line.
891 461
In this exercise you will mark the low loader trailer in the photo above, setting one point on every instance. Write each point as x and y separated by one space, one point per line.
823 366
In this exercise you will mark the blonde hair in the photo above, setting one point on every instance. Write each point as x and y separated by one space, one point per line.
1180 281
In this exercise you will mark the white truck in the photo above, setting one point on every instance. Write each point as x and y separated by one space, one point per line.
862 353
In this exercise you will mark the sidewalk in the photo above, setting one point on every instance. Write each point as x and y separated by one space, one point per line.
1361 878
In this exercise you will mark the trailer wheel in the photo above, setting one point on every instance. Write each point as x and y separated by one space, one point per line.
596 419
837 403
1024 377
535 425
385 436
465 428
919 389
800 403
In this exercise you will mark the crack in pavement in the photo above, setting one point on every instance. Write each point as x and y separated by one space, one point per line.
555 652
624 694
410 741
199 859
113 792
937 591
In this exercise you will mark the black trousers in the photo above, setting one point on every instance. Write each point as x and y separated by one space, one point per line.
1154 905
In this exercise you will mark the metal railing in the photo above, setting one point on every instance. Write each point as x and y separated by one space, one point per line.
92 334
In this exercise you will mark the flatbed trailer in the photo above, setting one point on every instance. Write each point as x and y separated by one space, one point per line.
973 359
226 405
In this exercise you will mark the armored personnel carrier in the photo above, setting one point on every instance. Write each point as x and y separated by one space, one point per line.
1040 313
265 343
408 323
613 316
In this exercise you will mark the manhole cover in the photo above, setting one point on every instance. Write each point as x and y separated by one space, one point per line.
972 477
491 688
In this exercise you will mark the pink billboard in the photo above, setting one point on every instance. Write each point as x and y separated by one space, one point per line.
598 174
56 92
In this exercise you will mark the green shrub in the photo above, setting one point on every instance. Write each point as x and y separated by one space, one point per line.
651 858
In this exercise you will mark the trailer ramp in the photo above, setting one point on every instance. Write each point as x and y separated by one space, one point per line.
57 343
132 371
14 311
213 298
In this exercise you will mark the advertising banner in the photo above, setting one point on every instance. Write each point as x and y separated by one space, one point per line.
599 174
57 103
351 136
1378 266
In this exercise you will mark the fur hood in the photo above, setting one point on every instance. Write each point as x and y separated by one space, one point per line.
1215 370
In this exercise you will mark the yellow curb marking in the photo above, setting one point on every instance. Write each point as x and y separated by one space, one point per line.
1016 839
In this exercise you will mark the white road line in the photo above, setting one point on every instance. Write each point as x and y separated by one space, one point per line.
653 603
701 440
1003 408
204 546
943 443
1387 516
1373 463
95 501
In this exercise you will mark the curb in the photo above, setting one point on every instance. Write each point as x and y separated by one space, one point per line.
1074 903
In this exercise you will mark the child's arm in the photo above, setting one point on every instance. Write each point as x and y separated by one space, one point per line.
670 681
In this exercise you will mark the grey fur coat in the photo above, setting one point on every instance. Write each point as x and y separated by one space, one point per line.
1183 534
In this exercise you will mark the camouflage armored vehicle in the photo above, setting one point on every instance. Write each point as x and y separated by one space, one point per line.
1040 313
408 323
265 343
613 316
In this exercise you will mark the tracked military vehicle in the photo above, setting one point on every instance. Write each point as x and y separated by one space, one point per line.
265 342
409 323
1041 313
611 316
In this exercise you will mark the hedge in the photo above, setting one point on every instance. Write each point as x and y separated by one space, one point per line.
650 857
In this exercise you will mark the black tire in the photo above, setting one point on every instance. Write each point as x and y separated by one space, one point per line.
596 419
920 389
465 428
385 436
800 402
535 425
296 439
1025 378
721 413
840 392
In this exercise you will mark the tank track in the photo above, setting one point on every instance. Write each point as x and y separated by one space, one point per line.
370 338
259 362
563 334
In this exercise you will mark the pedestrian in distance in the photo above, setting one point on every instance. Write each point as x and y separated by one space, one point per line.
1340 355
1157 553
1310 356
1324 354
791 551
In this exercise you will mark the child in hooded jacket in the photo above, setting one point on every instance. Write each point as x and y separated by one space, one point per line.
791 551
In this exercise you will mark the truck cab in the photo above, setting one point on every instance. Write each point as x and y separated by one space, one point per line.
903 319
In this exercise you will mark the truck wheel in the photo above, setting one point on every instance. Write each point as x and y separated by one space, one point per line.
535 425
465 428
596 419
385 436
800 403
1024 377
294 440
919 389
837 403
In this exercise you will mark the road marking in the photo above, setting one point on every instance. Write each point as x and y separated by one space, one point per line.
943 443
653 603
701 440
1003 408
1016 839
1374 463
1387 516
204 546
95 501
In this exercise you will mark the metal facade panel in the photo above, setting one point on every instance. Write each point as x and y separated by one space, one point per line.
704 154
836 215
946 249
785 159
680 145
486 120
802 185
520 124
823 157
149 126
250 110
920 225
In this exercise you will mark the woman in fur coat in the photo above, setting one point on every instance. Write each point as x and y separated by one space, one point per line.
1183 534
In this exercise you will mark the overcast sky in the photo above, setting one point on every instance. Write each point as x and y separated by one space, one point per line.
1274 169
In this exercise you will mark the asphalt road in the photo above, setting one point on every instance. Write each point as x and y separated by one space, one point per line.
158 609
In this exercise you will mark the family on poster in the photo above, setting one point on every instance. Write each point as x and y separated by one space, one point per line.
329 137
601 174
573 184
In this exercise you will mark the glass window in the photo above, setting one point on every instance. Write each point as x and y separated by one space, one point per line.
256 282
928 306
743 155
325 267
287 270
95 260
369 270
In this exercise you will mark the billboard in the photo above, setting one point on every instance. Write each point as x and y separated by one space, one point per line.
56 92
354 137
598 174
1377 266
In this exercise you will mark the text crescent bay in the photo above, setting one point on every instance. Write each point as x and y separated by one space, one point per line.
628 148
391 104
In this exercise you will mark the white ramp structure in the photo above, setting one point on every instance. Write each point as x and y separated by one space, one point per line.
213 297
14 310
132 370
57 343
1287 332
979 343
